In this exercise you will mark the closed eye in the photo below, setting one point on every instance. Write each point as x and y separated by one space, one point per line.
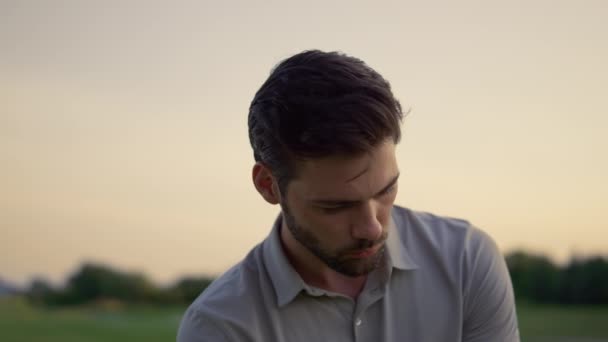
334 209
329 206
388 190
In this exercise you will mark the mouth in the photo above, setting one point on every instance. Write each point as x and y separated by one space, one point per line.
364 253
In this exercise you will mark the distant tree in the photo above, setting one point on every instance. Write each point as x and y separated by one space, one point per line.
93 282
103 285
585 282
187 289
534 277
40 291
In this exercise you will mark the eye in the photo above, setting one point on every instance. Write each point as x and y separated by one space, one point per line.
389 190
333 210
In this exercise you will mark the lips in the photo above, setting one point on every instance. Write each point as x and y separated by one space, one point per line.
364 253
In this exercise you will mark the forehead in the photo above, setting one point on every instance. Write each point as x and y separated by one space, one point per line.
349 177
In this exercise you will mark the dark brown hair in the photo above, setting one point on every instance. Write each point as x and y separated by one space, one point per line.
317 104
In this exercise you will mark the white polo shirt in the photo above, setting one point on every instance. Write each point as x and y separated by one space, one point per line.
442 280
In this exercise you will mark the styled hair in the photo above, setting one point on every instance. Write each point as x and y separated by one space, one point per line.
317 104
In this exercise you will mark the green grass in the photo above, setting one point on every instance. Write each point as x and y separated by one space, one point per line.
558 321
22 322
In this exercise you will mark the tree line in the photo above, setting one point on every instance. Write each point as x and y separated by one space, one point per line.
535 279
95 283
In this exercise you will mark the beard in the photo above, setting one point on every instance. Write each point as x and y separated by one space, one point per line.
338 260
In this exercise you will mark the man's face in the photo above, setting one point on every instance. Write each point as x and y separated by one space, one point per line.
339 208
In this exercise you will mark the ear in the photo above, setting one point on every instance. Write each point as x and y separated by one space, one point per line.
265 183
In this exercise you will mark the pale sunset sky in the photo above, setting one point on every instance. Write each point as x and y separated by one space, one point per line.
123 124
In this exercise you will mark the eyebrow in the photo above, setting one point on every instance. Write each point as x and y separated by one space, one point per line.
339 202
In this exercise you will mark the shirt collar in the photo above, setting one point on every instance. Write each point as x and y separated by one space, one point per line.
287 282
398 255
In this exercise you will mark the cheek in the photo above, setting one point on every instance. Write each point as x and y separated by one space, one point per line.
328 228
315 221
331 224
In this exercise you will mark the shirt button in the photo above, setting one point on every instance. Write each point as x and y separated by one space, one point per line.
358 322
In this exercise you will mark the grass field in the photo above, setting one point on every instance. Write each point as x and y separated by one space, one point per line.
555 323
20 322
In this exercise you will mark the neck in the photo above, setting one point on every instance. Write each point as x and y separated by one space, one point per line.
315 272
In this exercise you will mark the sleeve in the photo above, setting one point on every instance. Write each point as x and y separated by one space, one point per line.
195 328
489 302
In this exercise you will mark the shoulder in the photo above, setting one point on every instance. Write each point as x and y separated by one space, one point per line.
223 310
441 232
444 244
470 260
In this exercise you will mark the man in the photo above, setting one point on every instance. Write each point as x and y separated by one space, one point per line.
342 262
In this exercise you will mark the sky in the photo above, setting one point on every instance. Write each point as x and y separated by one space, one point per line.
123 132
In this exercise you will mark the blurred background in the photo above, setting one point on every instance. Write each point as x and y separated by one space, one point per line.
125 162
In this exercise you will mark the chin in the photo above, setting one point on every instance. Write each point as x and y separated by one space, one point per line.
359 267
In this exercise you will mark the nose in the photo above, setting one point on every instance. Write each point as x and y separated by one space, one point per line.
366 225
